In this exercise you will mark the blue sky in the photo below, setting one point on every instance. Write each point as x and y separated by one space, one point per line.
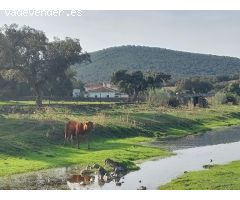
211 32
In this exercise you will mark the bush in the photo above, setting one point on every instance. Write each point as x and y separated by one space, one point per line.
157 97
173 102
232 98
234 88
220 98
224 98
203 102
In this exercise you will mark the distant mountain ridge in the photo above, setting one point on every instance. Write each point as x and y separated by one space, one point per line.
176 63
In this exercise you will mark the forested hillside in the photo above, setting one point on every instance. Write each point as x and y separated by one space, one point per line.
177 63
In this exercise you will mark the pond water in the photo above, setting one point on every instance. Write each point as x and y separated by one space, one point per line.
192 153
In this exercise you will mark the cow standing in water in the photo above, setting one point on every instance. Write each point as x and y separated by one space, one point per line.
75 128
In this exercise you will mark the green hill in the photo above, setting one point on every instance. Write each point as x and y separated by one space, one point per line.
176 63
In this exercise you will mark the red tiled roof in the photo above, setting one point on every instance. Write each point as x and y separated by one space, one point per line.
102 89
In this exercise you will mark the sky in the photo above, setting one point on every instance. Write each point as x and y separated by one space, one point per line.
210 32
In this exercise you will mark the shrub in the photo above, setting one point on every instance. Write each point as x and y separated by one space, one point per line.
234 88
220 98
224 98
173 102
232 98
158 97
203 102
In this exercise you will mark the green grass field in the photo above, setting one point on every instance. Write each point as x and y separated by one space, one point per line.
220 177
52 102
31 139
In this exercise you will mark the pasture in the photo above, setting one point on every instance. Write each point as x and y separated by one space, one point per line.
32 139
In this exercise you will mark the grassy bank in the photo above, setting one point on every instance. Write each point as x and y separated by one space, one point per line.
222 177
33 140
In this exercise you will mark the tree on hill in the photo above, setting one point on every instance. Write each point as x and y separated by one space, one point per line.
194 85
156 80
28 52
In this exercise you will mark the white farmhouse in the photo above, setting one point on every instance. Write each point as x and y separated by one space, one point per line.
104 92
101 92
76 93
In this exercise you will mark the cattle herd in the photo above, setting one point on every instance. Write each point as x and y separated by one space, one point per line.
77 129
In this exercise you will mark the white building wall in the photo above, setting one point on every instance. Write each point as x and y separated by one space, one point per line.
76 93
100 94
123 96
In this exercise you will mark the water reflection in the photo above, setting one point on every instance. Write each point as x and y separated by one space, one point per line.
221 136
59 178
77 181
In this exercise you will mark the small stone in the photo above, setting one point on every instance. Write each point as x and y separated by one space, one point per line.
101 172
92 179
112 174
106 178
118 184
118 169
142 188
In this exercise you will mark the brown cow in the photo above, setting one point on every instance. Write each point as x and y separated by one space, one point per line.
75 128
88 127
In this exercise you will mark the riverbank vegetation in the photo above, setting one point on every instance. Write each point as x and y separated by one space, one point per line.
218 177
